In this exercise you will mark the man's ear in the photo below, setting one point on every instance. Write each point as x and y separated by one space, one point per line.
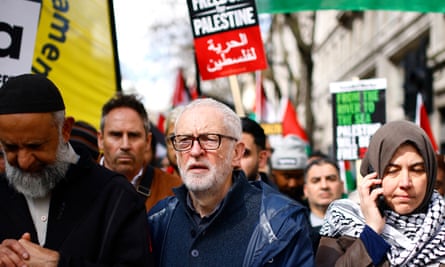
262 159
305 190
100 140
238 154
67 127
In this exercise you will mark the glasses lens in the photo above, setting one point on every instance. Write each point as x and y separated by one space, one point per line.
209 141
206 141
182 142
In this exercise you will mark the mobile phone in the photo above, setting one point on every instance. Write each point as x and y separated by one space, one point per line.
381 204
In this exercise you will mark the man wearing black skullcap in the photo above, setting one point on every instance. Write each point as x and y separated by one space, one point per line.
60 208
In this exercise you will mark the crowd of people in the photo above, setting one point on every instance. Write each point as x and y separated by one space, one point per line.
74 195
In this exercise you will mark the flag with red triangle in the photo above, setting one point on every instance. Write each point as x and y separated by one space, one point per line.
161 122
350 183
260 98
180 95
263 109
291 124
423 121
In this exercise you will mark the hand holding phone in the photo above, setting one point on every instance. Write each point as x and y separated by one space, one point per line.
380 202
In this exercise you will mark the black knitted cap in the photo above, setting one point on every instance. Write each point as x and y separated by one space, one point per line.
30 93
84 134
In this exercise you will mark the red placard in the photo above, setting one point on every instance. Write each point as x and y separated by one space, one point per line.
230 53
227 37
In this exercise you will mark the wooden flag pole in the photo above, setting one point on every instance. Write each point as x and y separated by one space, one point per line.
236 94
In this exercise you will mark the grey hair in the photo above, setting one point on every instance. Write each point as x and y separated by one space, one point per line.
231 122
172 116
59 119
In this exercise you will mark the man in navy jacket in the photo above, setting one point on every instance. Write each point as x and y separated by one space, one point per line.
219 218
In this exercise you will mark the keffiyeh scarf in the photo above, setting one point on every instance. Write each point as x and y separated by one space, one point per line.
416 239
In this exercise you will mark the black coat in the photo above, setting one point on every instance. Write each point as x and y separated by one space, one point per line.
95 218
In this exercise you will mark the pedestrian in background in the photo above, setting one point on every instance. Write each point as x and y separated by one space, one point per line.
172 166
288 162
255 154
322 185
440 178
125 139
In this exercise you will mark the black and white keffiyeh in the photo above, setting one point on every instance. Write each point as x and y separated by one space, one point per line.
415 239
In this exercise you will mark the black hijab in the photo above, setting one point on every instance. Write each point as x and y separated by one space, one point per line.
388 139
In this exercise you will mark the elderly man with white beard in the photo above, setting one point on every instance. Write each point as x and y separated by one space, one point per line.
60 208
219 218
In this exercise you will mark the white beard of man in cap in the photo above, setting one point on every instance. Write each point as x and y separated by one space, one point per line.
39 183
56 202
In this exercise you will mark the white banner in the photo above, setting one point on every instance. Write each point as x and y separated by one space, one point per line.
18 28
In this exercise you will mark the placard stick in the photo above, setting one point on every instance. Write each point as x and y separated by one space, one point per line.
236 94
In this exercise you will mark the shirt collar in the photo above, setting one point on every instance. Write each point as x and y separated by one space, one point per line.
135 178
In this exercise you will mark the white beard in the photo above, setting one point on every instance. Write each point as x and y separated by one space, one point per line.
209 182
39 184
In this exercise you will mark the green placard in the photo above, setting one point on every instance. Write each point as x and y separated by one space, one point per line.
358 111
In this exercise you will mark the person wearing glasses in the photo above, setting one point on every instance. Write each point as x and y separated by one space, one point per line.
218 218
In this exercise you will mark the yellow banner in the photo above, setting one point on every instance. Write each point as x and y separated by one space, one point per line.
74 48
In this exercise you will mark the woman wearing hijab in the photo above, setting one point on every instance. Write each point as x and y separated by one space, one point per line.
400 165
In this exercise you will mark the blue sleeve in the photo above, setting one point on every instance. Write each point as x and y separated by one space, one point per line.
299 248
375 245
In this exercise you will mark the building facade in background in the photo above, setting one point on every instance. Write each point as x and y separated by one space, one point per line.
406 48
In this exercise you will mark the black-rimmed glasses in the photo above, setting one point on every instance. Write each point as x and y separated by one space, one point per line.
210 141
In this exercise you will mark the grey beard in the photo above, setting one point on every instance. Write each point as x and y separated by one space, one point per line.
39 184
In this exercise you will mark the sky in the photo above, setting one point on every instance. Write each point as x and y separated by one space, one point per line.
142 66
147 64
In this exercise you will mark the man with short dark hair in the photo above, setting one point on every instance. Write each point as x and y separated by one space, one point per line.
125 139
255 153
322 185
60 208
